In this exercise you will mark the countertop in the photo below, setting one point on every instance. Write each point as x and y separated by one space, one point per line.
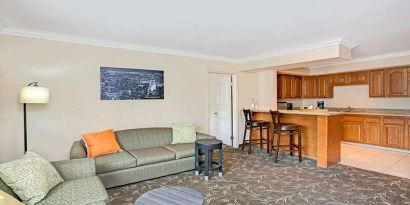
340 111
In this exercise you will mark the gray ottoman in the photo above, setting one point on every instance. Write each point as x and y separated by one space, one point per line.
172 195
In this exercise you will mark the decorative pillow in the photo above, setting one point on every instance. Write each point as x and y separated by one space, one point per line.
183 133
31 177
101 143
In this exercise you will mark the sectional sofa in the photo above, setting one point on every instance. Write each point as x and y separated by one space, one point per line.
147 153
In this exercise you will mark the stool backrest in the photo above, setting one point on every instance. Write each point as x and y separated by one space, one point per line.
248 115
275 117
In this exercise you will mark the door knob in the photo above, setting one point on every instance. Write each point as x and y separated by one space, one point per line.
215 113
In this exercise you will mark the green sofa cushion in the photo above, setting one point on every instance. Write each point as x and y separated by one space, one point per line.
182 150
152 155
183 133
114 162
143 138
87 190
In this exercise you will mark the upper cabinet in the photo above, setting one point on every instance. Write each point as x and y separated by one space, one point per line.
309 87
324 87
357 78
396 82
289 86
388 82
376 83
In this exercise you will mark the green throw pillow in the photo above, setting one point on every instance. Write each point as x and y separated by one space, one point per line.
183 133
31 177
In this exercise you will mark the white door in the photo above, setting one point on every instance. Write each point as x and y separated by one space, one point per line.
220 99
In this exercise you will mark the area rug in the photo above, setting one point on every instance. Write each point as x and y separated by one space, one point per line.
255 179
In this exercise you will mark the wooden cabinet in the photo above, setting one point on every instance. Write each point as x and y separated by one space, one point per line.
289 86
394 132
337 79
309 87
324 89
408 134
396 82
353 129
357 78
376 83
372 131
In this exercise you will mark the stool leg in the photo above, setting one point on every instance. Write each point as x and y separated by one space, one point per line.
268 141
300 144
271 145
220 162
196 161
250 140
206 165
277 148
244 137
260 137
291 142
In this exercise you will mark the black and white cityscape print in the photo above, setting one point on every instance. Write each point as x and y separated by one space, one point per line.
131 84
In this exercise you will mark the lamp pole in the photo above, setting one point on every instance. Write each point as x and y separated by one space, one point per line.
25 127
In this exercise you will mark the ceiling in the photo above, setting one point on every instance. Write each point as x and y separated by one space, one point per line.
235 30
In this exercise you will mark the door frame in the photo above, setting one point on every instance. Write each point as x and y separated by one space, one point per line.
234 106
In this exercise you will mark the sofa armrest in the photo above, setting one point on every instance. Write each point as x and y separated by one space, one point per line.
75 168
200 136
78 150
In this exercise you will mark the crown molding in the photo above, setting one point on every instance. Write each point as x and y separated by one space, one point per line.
365 59
331 42
15 31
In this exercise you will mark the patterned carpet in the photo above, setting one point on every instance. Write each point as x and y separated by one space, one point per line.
256 179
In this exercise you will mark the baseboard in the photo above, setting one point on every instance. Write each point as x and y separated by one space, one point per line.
378 147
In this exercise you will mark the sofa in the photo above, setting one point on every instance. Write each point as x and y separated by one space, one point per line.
80 186
146 153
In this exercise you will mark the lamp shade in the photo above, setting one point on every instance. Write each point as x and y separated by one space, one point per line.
34 94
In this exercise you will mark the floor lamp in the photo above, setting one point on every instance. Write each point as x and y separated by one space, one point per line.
32 94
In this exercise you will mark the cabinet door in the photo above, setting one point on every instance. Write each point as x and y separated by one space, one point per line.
396 82
394 132
337 79
309 87
376 83
353 131
373 131
357 78
284 86
297 87
324 89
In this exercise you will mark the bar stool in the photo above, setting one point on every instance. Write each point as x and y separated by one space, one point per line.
251 124
285 128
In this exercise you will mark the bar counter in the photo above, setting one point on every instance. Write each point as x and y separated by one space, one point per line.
321 133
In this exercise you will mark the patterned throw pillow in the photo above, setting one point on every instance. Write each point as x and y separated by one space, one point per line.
183 133
31 177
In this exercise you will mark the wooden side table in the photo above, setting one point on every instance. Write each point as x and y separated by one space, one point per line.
207 146
6 199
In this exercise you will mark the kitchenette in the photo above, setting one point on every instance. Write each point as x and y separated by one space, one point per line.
304 99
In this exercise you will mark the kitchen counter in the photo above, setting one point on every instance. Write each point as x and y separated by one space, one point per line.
321 133
339 111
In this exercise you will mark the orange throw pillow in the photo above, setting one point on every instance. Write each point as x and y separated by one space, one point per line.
101 143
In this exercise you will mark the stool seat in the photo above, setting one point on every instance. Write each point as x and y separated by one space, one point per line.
285 129
257 123
251 124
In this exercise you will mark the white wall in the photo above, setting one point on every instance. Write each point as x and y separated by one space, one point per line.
358 97
71 72
259 85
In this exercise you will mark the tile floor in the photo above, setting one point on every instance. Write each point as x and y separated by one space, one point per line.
376 159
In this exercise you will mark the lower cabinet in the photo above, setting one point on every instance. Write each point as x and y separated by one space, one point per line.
372 131
394 132
353 129
385 131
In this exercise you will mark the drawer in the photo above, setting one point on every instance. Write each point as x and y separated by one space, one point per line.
393 121
372 119
352 118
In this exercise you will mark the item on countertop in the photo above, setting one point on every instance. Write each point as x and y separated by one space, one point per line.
321 105
289 106
101 143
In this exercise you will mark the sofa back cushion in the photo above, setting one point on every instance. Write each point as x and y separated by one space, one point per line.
144 137
7 189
